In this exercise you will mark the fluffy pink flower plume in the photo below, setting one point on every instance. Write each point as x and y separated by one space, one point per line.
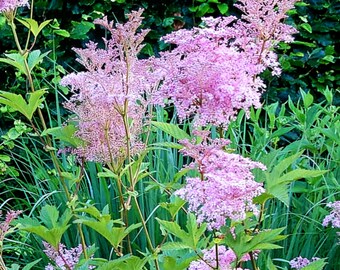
113 86
10 5
225 258
63 258
5 225
213 71
226 187
333 218
300 262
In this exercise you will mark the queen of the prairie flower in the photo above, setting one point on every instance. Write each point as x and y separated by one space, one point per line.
10 5
109 98
226 186
212 71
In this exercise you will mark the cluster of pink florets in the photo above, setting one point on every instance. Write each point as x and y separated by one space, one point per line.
333 218
225 259
212 72
10 5
226 186
300 262
115 85
63 258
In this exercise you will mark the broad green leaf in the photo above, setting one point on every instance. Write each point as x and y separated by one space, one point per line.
33 26
243 243
307 27
316 265
223 8
299 174
54 227
35 57
189 239
18 103
65 134
115 235
5 158
172 130
174 206
124 263
30 265
270 265
16 60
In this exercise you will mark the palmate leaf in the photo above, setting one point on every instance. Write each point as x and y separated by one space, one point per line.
51 228
244 243
277 182
65 134
172 130
130 262
104 225
16 60
18 103
189 239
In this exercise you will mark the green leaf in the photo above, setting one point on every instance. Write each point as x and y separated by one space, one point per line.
223 8
30 265
202 9
189 239
33 26
65 134
172 130
173 207
81 29
5 158
35 57
307 27
316 265
61 32
53 229
16 60
18 103
105 227
124 263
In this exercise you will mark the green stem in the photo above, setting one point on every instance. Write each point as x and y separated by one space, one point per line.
146 231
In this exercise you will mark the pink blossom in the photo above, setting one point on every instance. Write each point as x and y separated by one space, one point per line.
5 226
10 5
212 72
300 262
225 258
63 258
333 218
226 186
112 91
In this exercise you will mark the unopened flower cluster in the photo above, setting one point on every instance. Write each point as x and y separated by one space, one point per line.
226 186
113 86
300 262
225 258
10 5
212 72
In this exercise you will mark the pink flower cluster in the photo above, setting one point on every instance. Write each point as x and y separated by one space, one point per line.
300 262
226 186
333 218
63 258
213 71
225 258
10 5
5 225
114 87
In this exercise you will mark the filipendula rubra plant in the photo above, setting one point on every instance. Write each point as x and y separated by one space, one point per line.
211 74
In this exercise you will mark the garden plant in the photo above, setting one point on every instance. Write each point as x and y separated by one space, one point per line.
169 151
